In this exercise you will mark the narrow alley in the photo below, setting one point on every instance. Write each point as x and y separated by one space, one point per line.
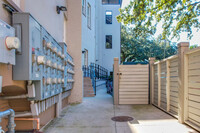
94 116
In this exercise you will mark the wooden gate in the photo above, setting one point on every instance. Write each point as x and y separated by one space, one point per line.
133 84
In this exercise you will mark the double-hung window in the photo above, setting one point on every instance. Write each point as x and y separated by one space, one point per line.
84 7
89 16
108 17
108 41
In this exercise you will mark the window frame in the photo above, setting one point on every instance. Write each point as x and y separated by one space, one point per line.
108 15
106 41
108 2
89 15
84 7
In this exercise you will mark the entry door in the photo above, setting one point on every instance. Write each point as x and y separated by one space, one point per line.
133 84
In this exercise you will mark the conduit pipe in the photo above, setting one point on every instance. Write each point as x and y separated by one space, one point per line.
11 123
14 97
22 114
30 119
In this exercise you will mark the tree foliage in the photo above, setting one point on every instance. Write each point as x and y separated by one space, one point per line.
140 48
176 16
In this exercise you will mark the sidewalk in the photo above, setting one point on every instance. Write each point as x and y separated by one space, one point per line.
94 116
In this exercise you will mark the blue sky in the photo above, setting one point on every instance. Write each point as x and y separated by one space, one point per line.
183 37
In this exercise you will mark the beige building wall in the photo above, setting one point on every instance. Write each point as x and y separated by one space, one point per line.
74 46
8 85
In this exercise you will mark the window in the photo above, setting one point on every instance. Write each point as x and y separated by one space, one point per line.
110 1
89 16
65 29
108 17
108 41
86 57
84 7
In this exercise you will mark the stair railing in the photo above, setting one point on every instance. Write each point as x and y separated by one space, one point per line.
95 71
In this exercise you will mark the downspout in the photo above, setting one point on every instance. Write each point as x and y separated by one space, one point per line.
11 123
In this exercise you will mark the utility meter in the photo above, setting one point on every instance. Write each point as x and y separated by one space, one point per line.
55 50
63 81
49 81
54 81
8 43
63 68
55 65
62 56
59 54
49 46
59 80
59 67
41 60
49 63
12 43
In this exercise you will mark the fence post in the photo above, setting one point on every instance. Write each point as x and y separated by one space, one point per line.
182 47
168 84
116 81
151 69
159 83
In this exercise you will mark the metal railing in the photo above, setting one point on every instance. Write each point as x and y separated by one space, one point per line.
95 71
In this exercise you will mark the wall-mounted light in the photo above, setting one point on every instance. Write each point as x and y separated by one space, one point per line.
83 51
60 8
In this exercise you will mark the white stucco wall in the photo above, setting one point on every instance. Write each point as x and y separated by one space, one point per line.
45 12
88 35
105 56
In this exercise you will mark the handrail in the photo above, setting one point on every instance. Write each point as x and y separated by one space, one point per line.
11 123
95 71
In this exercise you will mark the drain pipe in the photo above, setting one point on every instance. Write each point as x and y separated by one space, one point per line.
11 123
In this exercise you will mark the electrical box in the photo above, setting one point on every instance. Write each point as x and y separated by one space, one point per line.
70 72
8 43
64 80
41 59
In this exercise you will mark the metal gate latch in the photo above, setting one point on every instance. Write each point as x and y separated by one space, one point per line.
119 73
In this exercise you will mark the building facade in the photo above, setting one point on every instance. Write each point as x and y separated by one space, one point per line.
108 41
100 32
92 34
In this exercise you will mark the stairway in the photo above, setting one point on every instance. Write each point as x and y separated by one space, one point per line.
88 89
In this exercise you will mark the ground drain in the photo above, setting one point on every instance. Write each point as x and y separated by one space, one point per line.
122 118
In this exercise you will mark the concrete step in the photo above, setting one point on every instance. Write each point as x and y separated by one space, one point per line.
88 89
87 85
88 92
89 95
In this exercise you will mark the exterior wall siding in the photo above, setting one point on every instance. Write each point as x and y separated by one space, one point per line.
105 56
88 34
45 12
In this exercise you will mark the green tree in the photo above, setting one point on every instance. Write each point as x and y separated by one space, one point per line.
194 46
140 48
176 16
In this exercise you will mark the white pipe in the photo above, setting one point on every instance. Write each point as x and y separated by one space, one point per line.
23 114
14 97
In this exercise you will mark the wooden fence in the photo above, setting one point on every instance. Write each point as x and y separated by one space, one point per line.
175 85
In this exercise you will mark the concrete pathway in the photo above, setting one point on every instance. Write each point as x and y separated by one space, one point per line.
94 116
